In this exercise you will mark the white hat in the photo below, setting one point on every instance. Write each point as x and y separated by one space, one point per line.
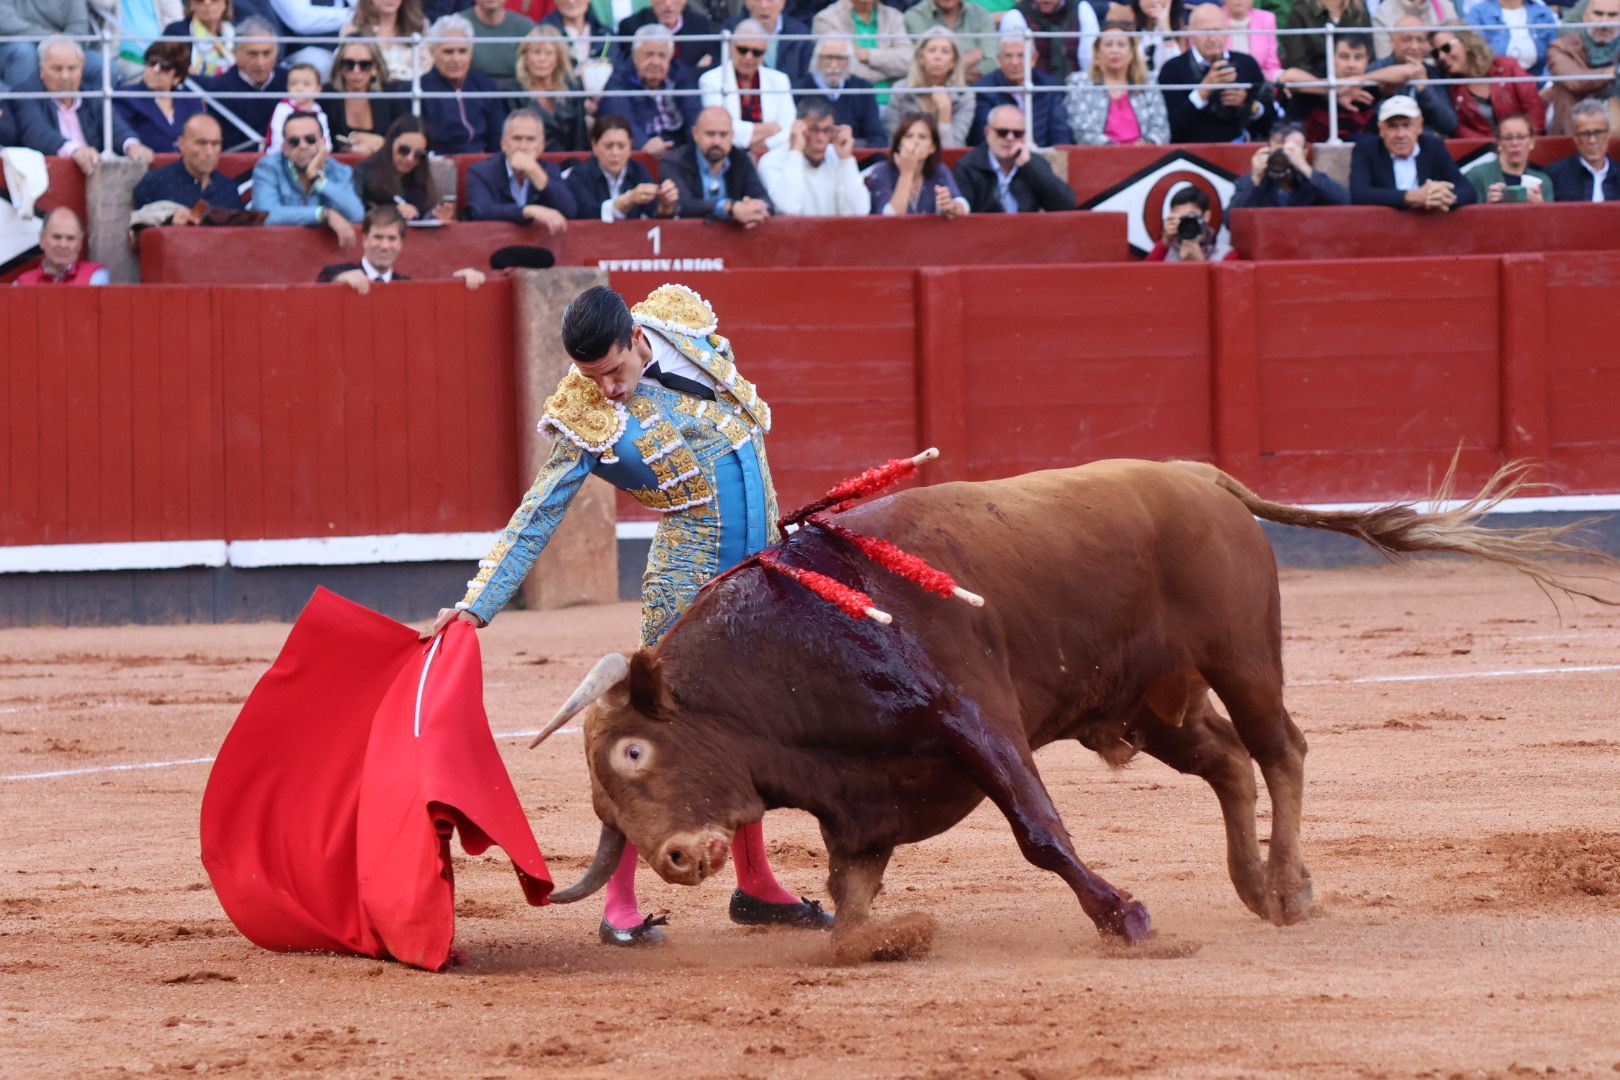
1399 105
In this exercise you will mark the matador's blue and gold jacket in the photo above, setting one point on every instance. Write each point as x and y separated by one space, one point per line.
661 447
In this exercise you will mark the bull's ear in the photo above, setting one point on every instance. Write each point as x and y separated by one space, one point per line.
648 694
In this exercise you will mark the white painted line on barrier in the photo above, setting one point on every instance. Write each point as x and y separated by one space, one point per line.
138 555
91 770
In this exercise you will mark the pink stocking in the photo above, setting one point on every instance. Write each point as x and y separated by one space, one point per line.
620 909
754 875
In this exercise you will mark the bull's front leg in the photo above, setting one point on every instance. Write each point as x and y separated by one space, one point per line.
853 879
1001 765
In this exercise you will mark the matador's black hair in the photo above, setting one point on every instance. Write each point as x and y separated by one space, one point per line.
596 321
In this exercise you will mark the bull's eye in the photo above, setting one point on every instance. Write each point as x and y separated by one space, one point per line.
633 752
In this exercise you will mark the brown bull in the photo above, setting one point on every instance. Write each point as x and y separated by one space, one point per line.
1118 594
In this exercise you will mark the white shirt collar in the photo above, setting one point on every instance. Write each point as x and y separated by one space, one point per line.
373 273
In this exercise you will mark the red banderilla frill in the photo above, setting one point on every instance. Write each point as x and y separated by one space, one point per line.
853 602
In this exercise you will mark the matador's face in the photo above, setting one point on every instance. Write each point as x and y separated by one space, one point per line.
619 372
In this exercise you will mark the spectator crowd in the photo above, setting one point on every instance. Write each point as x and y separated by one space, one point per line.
812 107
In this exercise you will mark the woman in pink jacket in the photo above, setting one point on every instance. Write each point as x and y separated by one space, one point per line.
1253 32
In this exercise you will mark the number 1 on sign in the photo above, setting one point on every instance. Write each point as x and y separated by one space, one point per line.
656 235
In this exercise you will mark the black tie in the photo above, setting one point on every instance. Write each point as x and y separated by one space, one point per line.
678 382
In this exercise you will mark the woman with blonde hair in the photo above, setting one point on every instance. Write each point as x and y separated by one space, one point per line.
1116 116
1463 54
935 87
397 19
545 70
358 123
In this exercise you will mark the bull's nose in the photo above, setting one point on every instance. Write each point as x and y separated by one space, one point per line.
717 851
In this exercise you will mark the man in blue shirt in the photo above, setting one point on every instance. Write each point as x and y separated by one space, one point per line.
715 179
515 185
660 120
302 185
192 179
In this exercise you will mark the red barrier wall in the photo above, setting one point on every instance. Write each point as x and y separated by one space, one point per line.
157 413
1377 232
296 254
1320 381
175 413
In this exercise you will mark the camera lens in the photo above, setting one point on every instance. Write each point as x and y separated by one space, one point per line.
1189 228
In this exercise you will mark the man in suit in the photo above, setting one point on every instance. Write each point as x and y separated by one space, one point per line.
1405 167
791 58
255 72
662 120
69 125
515 185
1002 176
382 239
715 179
1589 174
1049 122
1219 110
683 25
829 77
609 186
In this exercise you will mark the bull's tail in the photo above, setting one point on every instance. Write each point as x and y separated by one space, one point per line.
1397 531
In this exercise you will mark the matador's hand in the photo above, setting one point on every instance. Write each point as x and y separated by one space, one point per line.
446 617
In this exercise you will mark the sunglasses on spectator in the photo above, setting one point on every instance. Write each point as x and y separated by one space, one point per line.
161 65
301 140
748 50
1443 50
411 152
1007 133
356 65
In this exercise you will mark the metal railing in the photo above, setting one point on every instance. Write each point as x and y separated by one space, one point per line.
107 45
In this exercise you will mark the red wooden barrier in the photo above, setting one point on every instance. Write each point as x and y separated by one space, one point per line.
296 254
1377 232
179 413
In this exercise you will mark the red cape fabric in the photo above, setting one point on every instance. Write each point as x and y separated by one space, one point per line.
327 818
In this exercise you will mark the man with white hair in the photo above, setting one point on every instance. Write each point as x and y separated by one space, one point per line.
458 123
1049 120
791 58
664 118
830 77
255 72
67 124
759 99
39 19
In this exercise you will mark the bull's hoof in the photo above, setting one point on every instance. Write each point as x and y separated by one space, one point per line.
1288 904
1129 922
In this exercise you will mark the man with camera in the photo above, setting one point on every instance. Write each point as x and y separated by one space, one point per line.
1279 175
1188 235
1230 102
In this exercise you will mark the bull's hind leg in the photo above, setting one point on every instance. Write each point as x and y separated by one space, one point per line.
1006 772
1254 700
1205 745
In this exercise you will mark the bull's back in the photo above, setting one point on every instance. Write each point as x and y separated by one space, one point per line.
1094 577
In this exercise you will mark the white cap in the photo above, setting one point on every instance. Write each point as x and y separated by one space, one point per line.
1399 105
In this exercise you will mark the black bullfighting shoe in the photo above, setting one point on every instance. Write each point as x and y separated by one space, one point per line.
645 932
805 915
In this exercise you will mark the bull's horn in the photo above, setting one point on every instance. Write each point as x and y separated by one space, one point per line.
609 670
609 849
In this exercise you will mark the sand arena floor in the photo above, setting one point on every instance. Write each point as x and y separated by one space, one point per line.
1462 825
